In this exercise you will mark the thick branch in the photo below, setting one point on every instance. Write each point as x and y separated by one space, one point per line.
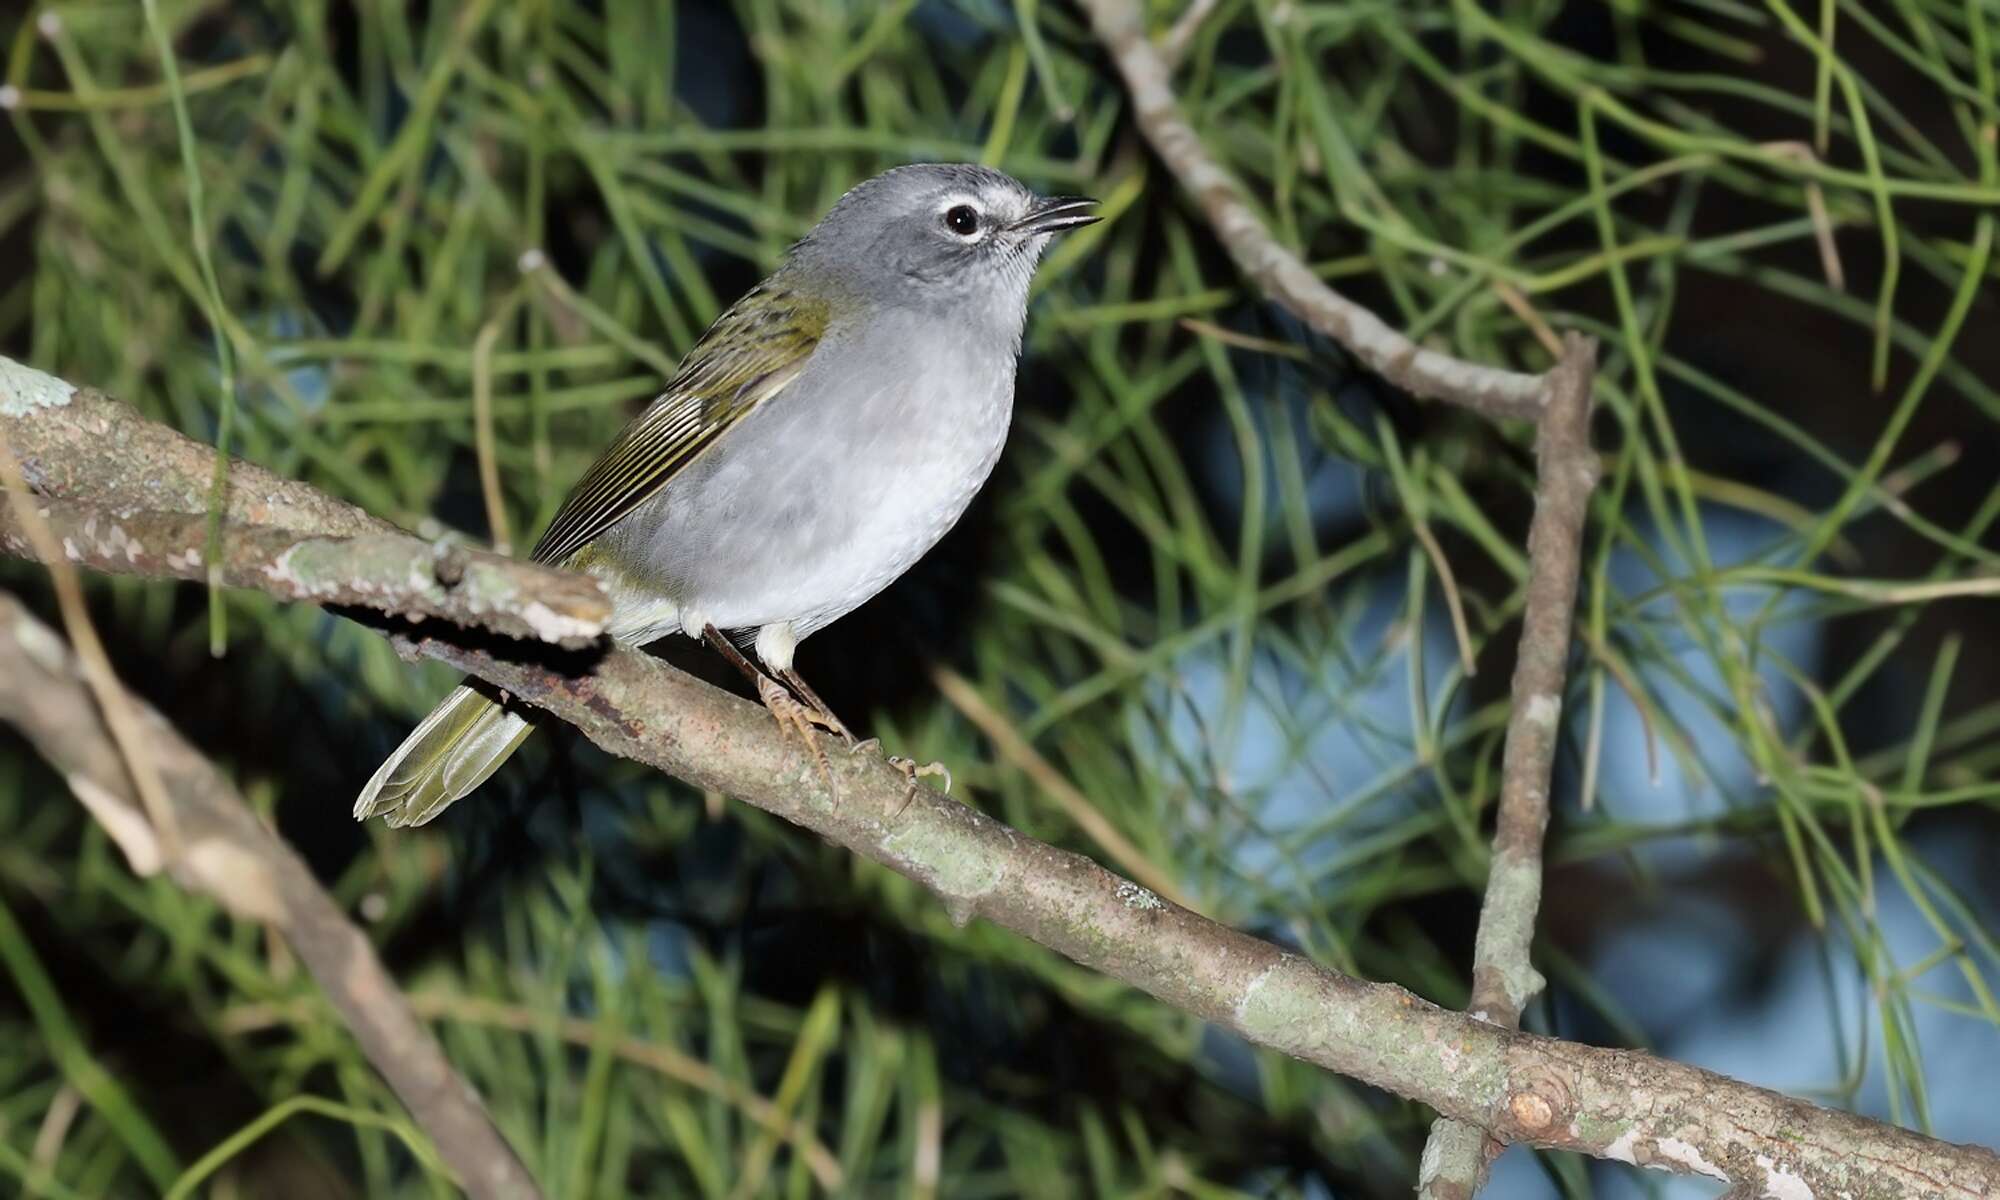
1503 977
226 853
1490 391
130 496
390 572
105 453
1522 1088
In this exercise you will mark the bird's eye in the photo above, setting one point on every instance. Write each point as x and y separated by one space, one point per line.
962 219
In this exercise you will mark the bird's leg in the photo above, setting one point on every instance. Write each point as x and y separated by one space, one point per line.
823 715
727 649
794 718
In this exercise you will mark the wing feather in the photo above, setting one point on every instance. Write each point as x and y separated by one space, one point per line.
748 355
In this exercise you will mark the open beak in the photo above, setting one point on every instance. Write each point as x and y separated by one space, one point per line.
1056 214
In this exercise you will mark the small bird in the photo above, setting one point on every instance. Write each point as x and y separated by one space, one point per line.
821 436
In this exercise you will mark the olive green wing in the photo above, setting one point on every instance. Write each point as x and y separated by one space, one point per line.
748 355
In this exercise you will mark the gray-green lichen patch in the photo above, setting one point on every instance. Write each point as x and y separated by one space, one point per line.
24 389
951 864
1544 710
319 568
1452 1141
1513 894
1285 1006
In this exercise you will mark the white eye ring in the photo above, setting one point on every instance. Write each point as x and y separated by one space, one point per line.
964 220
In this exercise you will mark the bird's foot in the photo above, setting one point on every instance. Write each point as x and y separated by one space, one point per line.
871 746
822 715
797 721
912 771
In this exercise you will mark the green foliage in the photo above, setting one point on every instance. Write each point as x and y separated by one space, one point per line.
303 230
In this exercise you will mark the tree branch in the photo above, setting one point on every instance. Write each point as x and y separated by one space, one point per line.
1524 1088
224 852
1503 977
105 453
1521 1087
1454 1162
392 573
1490 391
130 496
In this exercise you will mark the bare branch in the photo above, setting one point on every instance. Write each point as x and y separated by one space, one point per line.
1503 978
130 496
1522 1087
104 453
392 573
1519 1087
1490 391
1455 1158
225 853
1177 41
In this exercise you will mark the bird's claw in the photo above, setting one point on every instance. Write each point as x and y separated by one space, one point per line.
871 746
913 772
796 720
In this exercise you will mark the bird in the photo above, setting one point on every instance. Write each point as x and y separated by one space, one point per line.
818 439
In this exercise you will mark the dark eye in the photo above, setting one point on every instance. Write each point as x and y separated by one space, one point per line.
962 219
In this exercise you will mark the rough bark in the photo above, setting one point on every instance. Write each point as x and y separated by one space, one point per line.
390 572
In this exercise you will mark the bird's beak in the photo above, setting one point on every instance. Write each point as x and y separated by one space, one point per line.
1055 214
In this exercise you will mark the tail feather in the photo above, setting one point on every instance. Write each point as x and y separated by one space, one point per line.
451 752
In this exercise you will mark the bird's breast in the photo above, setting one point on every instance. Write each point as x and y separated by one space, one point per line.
832 488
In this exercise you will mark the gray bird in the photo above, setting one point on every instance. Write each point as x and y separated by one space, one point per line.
822 435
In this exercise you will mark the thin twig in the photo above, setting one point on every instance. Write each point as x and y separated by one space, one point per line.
482 423
1491 391
1822 222
1520 306
1179 39
1448 581
111 701
1503 977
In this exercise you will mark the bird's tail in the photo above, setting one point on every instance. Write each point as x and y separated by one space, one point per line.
464 740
